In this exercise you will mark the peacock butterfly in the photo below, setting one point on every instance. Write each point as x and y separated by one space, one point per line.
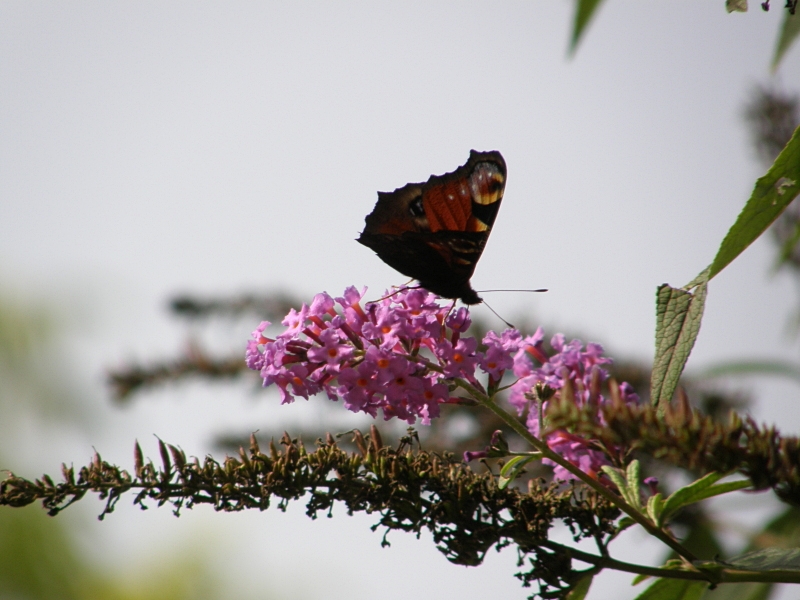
435 231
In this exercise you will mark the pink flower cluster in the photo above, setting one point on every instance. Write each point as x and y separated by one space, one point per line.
397 354
404 353
570 363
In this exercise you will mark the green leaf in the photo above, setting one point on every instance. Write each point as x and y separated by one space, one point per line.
627 483
634 482
768 560
511 470
789 31
787 249
742 591
616 476
633 475
700 490
686 494
655 506
754 591
674 589
779 562
581 588
773 193
672 306
584 11
783 530
724 488
624 523
678 316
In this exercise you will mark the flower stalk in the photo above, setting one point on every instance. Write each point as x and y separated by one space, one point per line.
592 482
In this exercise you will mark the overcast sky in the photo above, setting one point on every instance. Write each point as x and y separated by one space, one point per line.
152 148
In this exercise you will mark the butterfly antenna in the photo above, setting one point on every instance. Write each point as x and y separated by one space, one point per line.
498 316
532 291
397 290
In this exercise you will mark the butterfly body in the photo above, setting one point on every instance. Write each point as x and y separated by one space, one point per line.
436 231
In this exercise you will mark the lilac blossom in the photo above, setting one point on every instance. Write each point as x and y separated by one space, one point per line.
572 365
394 355
403 354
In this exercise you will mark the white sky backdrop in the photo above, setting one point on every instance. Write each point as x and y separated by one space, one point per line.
150 148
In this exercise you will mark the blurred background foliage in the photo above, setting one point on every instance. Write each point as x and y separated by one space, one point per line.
41 557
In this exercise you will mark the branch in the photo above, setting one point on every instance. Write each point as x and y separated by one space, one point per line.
467 513
595 485
689 439
124 382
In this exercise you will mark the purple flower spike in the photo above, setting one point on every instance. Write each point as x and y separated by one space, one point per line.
402 354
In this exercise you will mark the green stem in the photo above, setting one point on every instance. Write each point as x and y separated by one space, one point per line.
606 562
721 576
542 447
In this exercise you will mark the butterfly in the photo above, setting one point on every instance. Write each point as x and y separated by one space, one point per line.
435 231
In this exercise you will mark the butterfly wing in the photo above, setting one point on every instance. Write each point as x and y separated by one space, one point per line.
435 231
